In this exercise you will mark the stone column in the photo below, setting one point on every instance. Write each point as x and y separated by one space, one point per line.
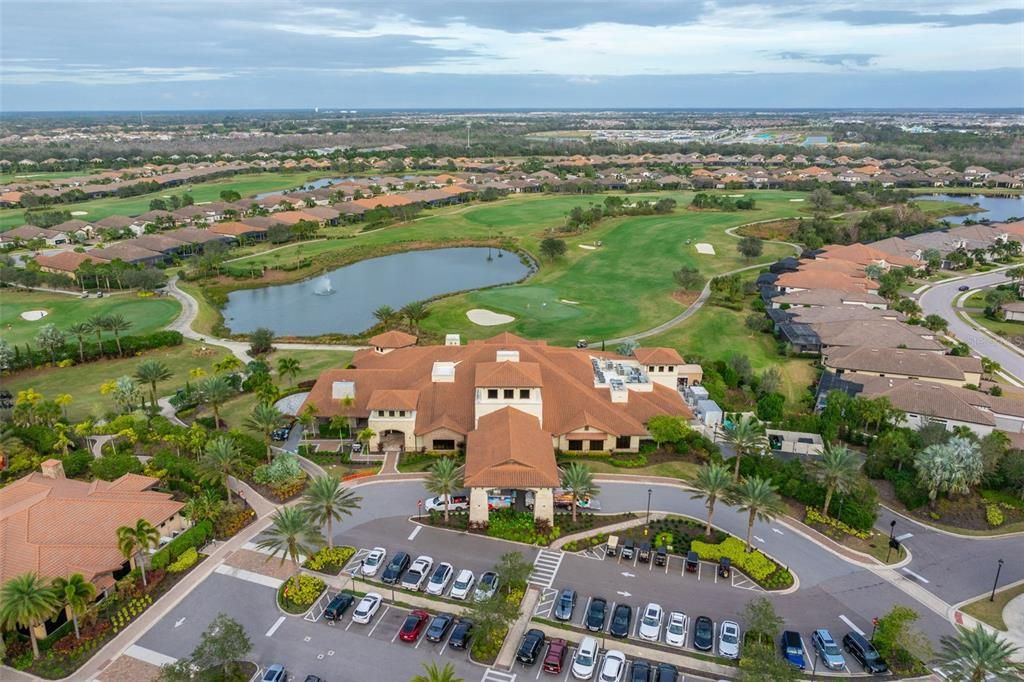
544 505
478 514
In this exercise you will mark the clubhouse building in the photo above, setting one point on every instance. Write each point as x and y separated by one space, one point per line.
509 403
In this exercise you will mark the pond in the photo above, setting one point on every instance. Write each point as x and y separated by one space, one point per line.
342 301
997 209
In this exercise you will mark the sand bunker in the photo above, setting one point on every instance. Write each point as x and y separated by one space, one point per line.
737 196
796 200
567 301
33 315
588 247
79 213
488 318
705 249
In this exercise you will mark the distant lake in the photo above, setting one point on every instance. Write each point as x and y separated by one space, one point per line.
997 209
302 309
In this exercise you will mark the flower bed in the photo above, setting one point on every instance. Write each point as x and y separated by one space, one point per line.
519 526
816 519
329 560
232 520
296 596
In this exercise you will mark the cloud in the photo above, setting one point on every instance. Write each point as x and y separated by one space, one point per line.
846 59
18 73
861 17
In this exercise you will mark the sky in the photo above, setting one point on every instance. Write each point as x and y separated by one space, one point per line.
58 55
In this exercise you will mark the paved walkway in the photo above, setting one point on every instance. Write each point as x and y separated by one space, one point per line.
96 444
167 410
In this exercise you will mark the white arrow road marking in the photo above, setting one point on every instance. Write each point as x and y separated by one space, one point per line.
761 540
776 530
627 574
178 623
625 594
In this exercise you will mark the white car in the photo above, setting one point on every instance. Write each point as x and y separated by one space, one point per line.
367 606
417 573
729 639
373 561
455 503
487 587
440 578
463 584
675 631
614 666
650 623
585 660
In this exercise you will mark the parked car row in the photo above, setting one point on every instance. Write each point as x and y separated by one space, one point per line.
460 501
587 661
828 652
420 574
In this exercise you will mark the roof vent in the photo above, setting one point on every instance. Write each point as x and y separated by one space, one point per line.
443 373
340 390
507 356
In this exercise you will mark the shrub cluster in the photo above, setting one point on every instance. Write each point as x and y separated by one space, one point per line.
994 515
509 524
127 613
186 561
755 564
815 516
330 559
196 536
25 357
299 592
233 520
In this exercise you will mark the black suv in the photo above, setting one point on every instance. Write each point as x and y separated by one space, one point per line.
461 635
338 606
641 672
529 650
622 617
666 673
860 648
395 568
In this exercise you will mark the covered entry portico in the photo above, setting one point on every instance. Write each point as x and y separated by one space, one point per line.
509 451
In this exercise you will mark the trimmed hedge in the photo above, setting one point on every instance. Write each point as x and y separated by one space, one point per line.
755 564
24 356
186 561
195 537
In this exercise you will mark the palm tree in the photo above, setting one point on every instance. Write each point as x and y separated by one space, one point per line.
432 673
202 506
98 323
746 436
578 481
758 498
325 501
264 419
28 602
365 436
221 460
76 593
976 654
712 483
150 372
80 330
134 540
385 315
63 400
414 312
117 324
288 367
215 391
444 479
292 533
308 420
838 470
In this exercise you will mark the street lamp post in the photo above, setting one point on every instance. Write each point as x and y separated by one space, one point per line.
892 533
647 521
995 583
814 665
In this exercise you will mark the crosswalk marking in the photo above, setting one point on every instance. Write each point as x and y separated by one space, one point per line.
545 568
492 675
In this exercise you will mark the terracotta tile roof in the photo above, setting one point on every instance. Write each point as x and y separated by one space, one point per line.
658 356
876 333
901 361
393 339
508 374
566 375
863 254
59 526
824 279
66 261
385 200
235 229
392 399
510 450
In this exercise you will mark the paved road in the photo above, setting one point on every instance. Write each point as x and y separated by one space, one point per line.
939 300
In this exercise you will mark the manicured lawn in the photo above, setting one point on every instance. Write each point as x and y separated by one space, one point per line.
311 362
146 314
991 612
715 333
83 381
246 185
685 471
25 176
975 308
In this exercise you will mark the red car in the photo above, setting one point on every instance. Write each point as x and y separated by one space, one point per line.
555 658
413 625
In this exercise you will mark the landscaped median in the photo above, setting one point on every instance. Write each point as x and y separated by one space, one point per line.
680 534
516 526
299 592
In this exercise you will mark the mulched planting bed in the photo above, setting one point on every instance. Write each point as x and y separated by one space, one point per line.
506 524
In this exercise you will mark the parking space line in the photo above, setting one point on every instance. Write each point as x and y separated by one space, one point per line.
380 618
275 626
395 636
668 560
444 644
700 567
583 618
851 624
636 626
350 621
415 532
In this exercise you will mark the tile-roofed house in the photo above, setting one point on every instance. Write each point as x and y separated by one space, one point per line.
903 364
233 228
27 233
510 450
129 253
162 243
876 333
830 297
65 262
802 280
866 254
55 526
390 340
196 236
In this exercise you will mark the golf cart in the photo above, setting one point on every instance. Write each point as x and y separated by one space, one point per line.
629 549
612 546
660 556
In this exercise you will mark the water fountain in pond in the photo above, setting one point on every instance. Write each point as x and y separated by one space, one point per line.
323 286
